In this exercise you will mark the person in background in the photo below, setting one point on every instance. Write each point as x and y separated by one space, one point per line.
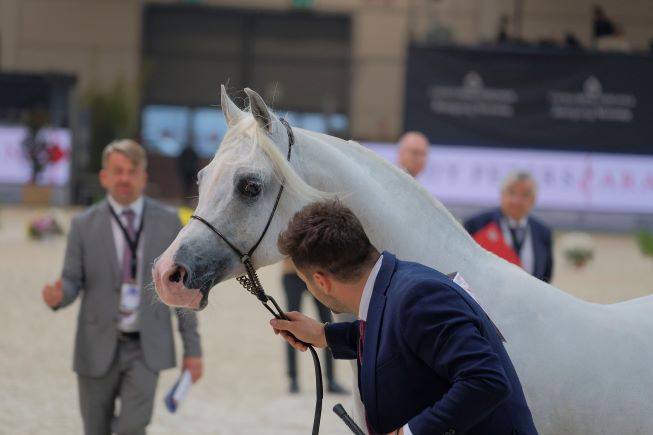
187 168
429 359
124 334
413 152
295 288
511 232
602 25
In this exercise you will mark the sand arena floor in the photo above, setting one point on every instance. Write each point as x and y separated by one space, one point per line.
244 388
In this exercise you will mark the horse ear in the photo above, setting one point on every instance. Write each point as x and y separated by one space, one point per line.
231 112
259 110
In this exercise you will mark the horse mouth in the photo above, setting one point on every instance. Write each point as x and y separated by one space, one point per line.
205 297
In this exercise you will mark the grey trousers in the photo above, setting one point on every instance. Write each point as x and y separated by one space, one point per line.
129 380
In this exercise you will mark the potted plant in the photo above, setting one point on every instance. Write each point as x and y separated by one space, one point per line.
578 249
645 242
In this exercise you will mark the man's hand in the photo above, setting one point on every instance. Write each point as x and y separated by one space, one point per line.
302 328
194 365
53 293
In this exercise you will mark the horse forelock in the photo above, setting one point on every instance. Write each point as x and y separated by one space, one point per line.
245 140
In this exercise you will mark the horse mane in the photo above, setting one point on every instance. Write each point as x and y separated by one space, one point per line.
248 129
258 140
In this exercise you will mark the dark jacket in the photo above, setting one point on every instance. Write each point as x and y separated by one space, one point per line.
541 236
431 358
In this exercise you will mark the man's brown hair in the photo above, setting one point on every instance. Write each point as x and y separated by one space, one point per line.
327 235
130 148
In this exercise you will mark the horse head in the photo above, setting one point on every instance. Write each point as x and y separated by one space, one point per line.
237 195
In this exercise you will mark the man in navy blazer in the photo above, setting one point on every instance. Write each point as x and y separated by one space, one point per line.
511 232
430 360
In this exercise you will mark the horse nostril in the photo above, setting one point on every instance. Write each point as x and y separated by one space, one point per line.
178 275
175 276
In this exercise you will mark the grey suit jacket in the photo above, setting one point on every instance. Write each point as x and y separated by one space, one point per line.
91 270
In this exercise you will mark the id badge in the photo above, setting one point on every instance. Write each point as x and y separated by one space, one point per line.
130 298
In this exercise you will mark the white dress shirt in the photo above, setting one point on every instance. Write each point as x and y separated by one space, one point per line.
367 290
526 255
119 240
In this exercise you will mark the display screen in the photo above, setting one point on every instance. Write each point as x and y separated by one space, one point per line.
47 152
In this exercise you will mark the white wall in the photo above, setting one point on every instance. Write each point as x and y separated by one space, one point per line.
96 40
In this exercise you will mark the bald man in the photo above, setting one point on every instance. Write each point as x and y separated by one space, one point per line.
413 152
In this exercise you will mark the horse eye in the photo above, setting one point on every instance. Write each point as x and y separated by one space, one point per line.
249 188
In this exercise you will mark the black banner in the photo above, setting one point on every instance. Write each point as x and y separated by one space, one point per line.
557 100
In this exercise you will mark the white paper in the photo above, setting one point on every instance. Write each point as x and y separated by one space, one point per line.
183 386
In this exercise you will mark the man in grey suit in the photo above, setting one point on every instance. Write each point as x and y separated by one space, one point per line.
124 336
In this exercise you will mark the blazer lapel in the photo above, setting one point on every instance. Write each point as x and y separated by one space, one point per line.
149 231
107 240
372 328
538 249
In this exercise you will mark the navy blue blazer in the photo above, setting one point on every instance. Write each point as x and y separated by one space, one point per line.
431 358
540 233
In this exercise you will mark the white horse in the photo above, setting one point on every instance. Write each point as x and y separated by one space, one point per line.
585 368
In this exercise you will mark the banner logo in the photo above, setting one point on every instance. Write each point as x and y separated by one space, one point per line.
592 104
472 99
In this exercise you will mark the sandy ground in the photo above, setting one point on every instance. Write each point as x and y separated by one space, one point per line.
243 390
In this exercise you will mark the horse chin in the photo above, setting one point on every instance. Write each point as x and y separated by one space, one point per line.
182 297
205 298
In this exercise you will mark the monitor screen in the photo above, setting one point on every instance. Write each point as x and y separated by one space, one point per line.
48 152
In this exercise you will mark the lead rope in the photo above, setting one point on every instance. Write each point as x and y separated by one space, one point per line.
252 284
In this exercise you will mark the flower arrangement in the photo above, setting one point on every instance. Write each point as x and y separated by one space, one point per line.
44 227
578 248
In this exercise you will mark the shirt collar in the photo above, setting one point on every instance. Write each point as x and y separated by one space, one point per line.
367 290
136 206
517 224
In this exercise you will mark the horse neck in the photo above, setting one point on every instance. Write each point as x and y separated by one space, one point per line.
422 228
400 216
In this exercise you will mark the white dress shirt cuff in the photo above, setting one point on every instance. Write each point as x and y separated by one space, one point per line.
407 430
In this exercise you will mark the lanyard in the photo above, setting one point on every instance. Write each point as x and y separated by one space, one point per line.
133 244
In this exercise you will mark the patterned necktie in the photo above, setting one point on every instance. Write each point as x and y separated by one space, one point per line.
517 234
126 270
361 342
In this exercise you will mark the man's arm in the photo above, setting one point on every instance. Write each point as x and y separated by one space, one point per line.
444 333
187 322
342 339
300 330
65 291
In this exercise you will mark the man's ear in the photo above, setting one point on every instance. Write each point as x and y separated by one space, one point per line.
323 281
102 176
